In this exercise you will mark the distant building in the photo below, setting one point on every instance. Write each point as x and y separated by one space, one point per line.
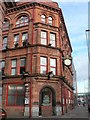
74 84
35 79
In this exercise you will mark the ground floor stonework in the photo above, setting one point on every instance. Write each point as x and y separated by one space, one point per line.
36 96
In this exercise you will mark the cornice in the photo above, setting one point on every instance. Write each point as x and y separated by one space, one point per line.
31 45
9 3
31 4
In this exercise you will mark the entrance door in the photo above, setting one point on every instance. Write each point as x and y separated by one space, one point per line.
47 102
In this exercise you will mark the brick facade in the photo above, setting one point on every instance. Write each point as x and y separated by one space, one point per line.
59 86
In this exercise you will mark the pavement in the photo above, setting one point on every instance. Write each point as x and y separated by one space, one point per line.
79 112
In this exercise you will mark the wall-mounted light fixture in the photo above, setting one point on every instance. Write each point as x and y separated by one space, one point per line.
49 44
24 74
50 74
16 45
4 76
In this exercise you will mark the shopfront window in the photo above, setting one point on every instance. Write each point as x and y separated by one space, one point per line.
16 95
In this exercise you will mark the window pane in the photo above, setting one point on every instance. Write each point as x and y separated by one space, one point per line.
20 100
52 39
16 38
52 43
23 62
43 37
43 34
13 72
52 36
20 89
43 41
43 18
13 63
16 94
3 64
53 62
43 60
24 36
43 69
11 89
5 25
4 44
50 20
53 70
5 40
22 21
11 100
22 69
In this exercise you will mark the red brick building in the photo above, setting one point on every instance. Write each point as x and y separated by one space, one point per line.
34 45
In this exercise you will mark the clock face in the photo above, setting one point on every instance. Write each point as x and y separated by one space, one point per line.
67 62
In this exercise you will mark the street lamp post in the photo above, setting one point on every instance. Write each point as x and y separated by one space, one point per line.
88 45
67 61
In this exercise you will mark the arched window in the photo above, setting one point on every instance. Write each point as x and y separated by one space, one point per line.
43 18
6 24
50 20
22 21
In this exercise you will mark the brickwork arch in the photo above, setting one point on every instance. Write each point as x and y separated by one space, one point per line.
43 13
8 19
53 97
6 24
21 14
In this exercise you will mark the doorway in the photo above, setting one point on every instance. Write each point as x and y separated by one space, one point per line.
47 101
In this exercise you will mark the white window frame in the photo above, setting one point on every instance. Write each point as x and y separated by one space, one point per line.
44 37
4 44
53 66
43 18
50 20
13 67
53 39
24 37
43 65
